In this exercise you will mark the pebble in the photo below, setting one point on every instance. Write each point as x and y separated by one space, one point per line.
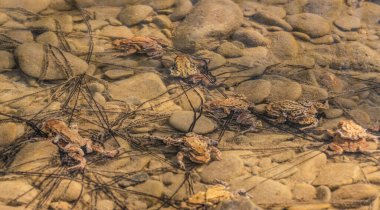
162 21
95 25
336 174
327 39
96 87
105 204
229 50
160 4
360 116
30 57
250 37
60 205
348 23
328 9
311 24
196 97
60 5
374 178
118 73
142 86
359 193
308 76
48 37
120 32
356 56
3 18
283 156
371 11
26 158
314 206
216 60
301 36
233 76
323 193
67 190
240 203
277 11
256 91
150 187
10 132
311 164
17 189
99 98
43 24
182 121
22 36
114 21
283 45
132 15
183 8
85 3
265 17
32 6
284 90
333 113
313 93
346 103
134 180
7 61
208 22
266 191
226 169
304 192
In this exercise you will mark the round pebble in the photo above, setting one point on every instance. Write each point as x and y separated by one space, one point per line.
182 121
132 15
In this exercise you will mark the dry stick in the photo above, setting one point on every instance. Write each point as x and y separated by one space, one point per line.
195 117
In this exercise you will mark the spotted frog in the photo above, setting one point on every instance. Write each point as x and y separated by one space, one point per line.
189 70
152 47
197 148
212 196
349 137
71 142
238 105
302 113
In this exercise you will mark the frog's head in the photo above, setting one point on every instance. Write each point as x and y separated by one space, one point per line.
321 106
51 124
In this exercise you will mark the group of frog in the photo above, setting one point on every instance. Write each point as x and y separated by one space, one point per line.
347 137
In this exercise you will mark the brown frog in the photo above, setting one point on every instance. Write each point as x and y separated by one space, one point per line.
212 196
71 142
197 148
349 137
186 68
302 113
239 105
152 47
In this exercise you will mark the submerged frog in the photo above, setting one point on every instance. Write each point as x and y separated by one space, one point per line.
302 113
152 47
349 137
237 105
186 68
212 196
198 148
71 142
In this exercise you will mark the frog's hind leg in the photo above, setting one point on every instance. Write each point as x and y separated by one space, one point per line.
76 153
101 150
314 124
216 152
180 156
80 158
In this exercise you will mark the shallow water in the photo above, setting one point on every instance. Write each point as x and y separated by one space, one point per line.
210 104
